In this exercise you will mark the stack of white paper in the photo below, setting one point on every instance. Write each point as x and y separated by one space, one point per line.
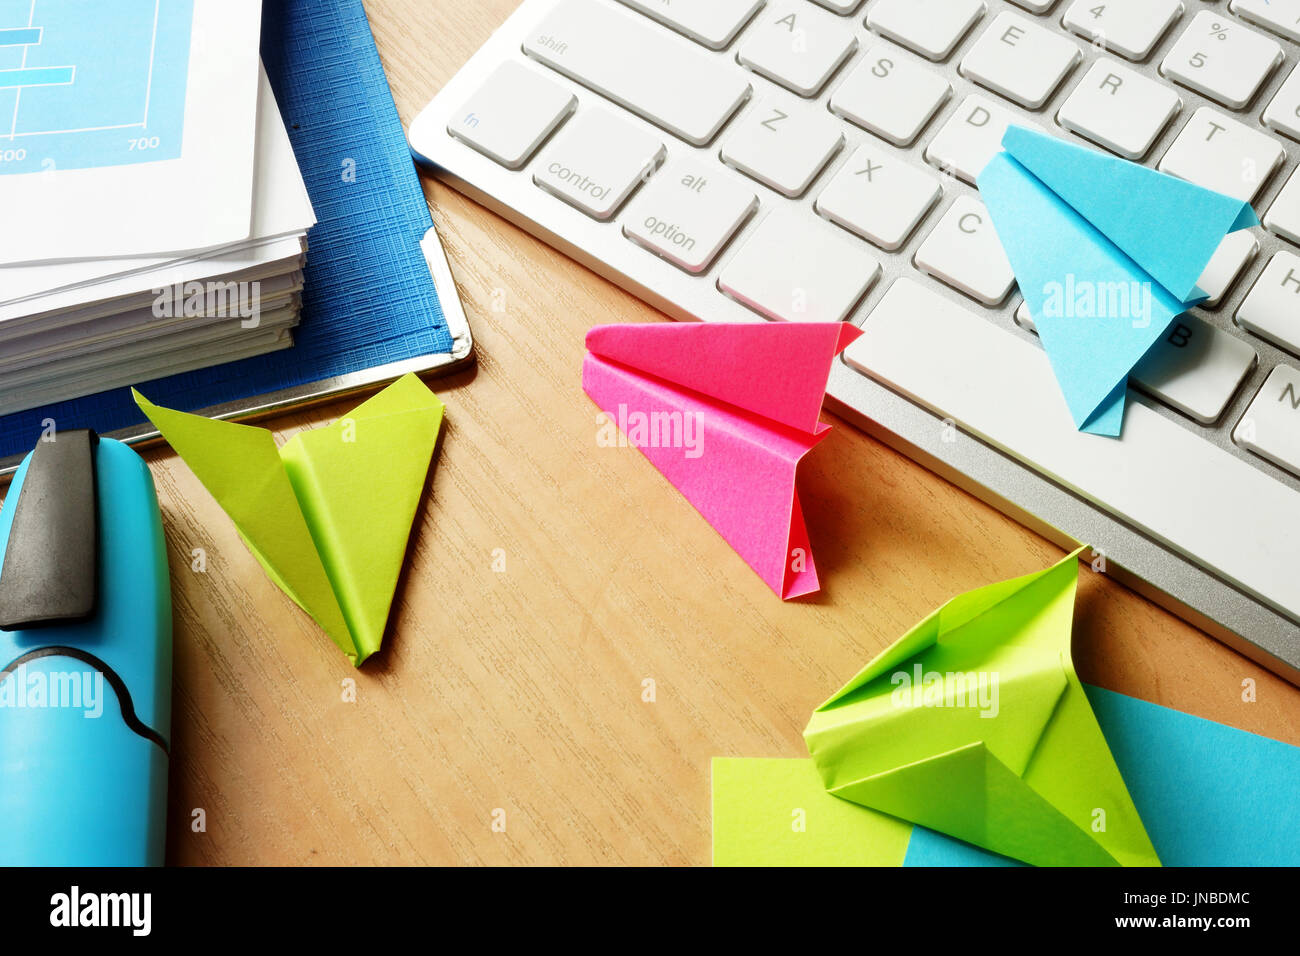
134 250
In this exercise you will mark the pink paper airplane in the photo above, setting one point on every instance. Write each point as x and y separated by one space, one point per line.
726 412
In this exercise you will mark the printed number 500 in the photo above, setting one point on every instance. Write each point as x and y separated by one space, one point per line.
145 142
12 155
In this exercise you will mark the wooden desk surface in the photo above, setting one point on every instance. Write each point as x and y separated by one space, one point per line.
521 690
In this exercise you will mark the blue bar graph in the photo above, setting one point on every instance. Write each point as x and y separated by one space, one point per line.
37 76
92 84
23 36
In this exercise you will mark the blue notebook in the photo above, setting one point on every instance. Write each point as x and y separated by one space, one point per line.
369 300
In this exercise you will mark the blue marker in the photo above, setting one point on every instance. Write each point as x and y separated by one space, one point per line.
85 659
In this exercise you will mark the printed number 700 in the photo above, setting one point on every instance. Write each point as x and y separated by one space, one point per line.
145 142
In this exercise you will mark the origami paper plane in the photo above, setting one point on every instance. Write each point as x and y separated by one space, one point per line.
726 412
329 514
1210 795
974 724
1106 253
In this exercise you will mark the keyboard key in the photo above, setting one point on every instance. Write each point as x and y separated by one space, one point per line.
1159 476
687 213
1225 267
1271 426
1131 28
1280 16
1020 60
890 96
879 197
623 57
784 148
842 7
1224 155
1283 112
798 47
1222 59
597 160
1035 6
511 114
932 28
1119 109
1195 369
713 23
1283 217
971 137
964 251
1272 309
797 268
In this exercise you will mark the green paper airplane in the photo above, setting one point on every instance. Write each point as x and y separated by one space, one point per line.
974 724
329 514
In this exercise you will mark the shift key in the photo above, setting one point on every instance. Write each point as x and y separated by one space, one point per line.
687 212
664 78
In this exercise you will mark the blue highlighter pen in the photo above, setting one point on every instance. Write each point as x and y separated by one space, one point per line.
85 659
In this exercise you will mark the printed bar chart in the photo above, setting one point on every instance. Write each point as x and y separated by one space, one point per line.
92 85
37 76
23 36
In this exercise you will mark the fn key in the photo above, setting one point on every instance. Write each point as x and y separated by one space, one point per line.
511 114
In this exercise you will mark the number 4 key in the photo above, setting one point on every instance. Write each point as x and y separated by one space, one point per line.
1131 28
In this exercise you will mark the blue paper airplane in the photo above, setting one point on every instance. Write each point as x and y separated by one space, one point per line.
1106 253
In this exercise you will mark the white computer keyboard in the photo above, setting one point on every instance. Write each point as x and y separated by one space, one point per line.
801 160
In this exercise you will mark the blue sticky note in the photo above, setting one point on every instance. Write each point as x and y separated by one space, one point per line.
1209 795
1106 253
927 848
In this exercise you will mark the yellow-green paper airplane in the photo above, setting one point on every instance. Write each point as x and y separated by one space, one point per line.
974 724
329 514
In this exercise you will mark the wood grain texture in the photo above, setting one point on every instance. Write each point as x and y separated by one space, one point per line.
521 690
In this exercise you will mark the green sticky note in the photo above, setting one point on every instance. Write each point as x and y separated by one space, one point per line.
975 724
774 812
329 514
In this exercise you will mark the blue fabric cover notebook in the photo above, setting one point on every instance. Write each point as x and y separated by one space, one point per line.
368 298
